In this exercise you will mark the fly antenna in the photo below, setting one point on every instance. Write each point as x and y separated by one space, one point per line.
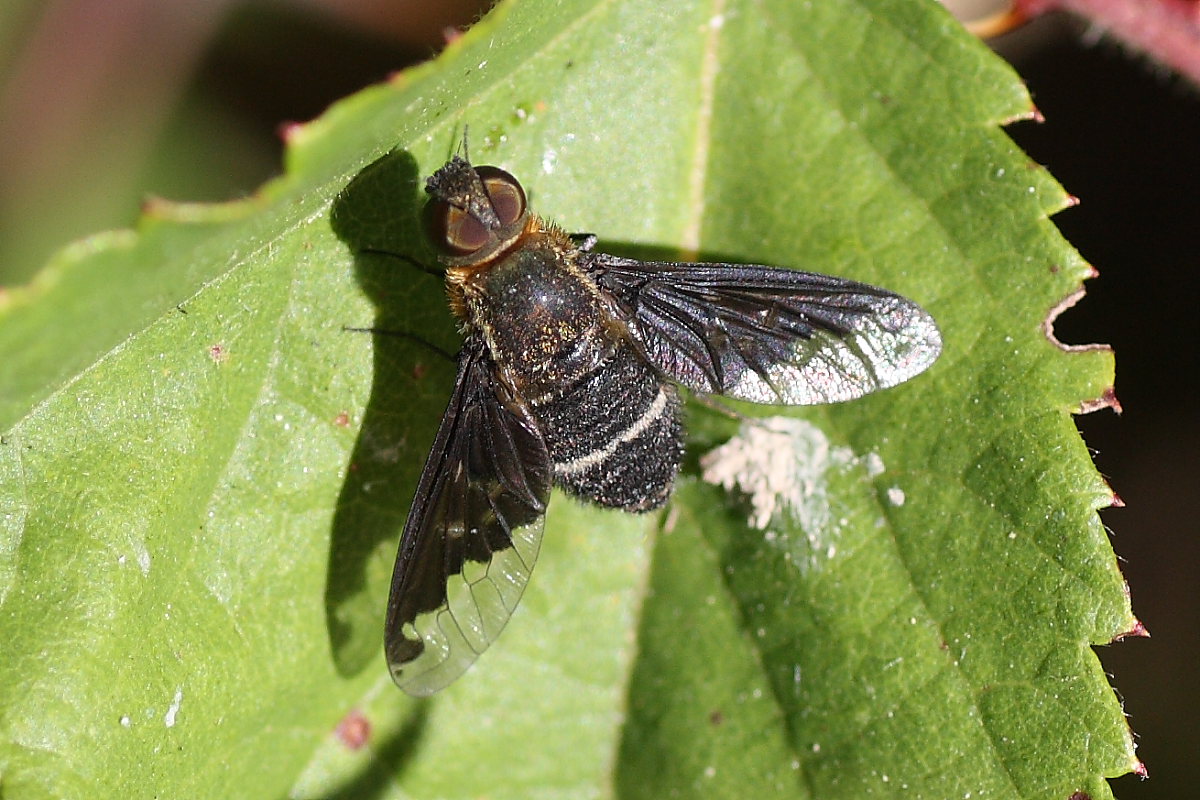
466 153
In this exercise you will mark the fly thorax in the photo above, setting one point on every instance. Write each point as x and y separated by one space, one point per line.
542 320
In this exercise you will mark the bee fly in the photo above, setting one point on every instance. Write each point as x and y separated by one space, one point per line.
567 377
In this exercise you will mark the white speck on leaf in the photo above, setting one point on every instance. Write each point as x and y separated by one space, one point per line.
895 496
789 466
779 463
173 711
143 559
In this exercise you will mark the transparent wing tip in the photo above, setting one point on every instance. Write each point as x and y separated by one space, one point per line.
913 343
431 652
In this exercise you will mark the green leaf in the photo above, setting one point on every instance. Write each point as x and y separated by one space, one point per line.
204 476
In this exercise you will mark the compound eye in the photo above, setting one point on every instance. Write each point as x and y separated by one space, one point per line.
506 194
452 230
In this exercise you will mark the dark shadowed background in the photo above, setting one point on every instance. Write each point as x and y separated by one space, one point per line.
103 102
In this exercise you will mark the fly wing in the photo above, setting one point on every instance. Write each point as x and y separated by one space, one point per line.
473 533
766 334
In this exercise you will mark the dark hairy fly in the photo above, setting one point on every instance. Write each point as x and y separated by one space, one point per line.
567 377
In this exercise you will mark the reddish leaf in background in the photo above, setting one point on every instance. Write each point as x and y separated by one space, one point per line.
1166 30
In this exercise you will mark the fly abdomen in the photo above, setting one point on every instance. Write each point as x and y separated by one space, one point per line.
615 437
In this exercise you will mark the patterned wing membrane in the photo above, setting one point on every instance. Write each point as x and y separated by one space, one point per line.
472 536
766 334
